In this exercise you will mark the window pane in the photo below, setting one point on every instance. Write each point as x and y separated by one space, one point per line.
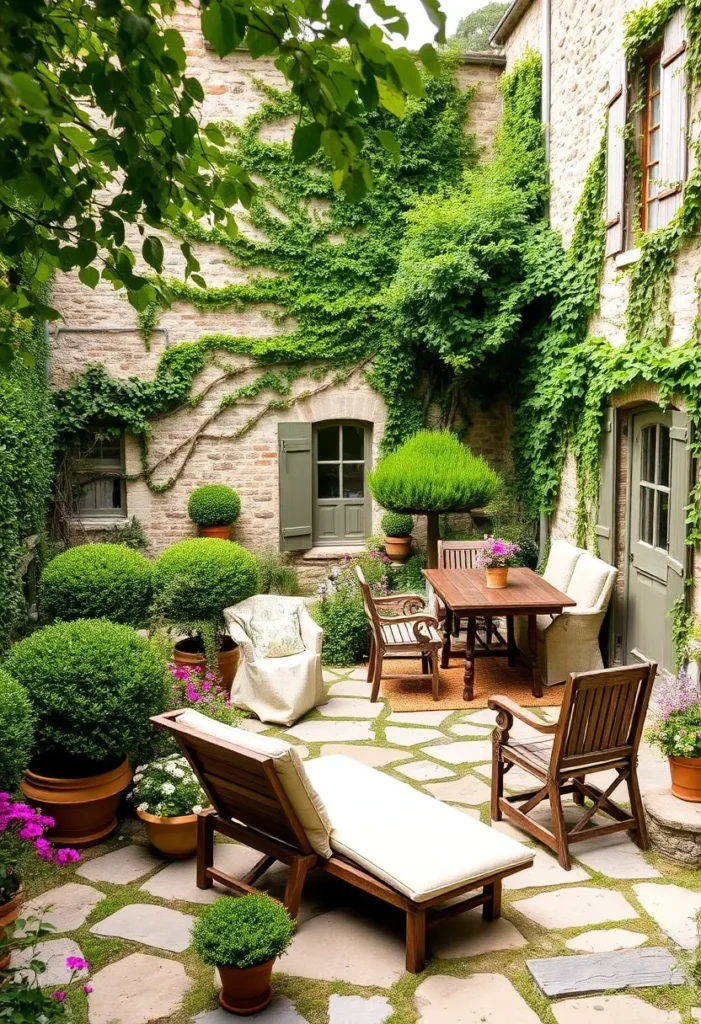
654 153
662 520
664 457
103 495
647 455
329 481
353 443
653 216
654 110
353 484
655 77
327 445
647 515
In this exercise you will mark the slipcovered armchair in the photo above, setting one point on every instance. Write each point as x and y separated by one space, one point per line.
279 687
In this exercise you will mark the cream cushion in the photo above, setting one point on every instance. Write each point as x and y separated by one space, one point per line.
589 578
562 561
411 841
307 803
276 638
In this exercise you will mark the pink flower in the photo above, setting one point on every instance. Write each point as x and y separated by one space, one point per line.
43 848
59 995
77 963
87 989
31 830
67 856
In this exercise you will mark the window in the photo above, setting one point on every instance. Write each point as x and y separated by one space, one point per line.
99 477
341 512
651 144
655 486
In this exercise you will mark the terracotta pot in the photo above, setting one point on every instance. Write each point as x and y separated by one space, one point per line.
246 990
398 548
220 532
85 810
189 652
497 579
9 912
175 838
686 778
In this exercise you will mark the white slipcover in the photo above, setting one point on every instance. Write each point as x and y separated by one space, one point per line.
278 690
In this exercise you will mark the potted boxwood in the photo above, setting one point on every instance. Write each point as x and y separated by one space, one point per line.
16 731
194 581
676 730
168 799
496 558
93 685
242 937
397 531
96 581
214 508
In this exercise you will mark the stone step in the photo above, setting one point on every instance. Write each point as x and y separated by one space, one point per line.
603 972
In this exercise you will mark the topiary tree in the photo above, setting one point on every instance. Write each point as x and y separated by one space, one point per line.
16 731
432 473
214 505
242 931
394 524
197 579
93 685
97 581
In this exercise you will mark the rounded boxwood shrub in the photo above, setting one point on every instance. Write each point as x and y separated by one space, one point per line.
97 581
93 685
16 731
214 505
242 931
346 629
196 579
394 524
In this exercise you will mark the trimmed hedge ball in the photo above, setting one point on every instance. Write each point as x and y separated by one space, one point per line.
97 581
16 731
214 505
394 524
242 931
197 579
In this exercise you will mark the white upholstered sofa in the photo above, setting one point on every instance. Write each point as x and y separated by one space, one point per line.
570 642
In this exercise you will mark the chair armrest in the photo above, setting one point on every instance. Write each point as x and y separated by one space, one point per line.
404 602
393 620
513 710
311 632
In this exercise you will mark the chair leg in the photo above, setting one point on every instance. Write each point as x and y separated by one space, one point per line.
489 624
558 826
491 908
377 674
424 665
639 834
205 848
435 678
295 883
371 659
456 625
415 940
497 787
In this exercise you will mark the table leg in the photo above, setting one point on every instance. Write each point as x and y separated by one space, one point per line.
469 680
447 631
533 649
511 641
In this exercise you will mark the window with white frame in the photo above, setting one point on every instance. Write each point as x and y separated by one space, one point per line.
100 487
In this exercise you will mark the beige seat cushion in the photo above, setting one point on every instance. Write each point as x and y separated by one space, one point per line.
411 841
306 802
562 561
588 581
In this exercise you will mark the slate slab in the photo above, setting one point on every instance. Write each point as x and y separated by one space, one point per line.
66 907
356 1010
178 881
137 990
351 707
52 953
674 909
147 923
650 967
606 940
470 935
467 790
328 732
121 866
376 757
479 999
405 736
351 688
576 907
424 771
616 856
280 1011
419 717
612 1010
462 752
545 871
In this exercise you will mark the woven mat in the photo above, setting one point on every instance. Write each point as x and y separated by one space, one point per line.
492 675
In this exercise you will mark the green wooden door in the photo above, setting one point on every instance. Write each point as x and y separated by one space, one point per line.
341 513
295 455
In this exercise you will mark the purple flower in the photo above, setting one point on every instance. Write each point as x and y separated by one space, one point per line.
87 989
31 830
67 856
59 995
76 963
43 848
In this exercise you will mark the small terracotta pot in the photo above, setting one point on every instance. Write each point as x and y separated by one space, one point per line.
497 579
686 778
9 912
175 838
246 990
84 810
220 532
398 548
189 652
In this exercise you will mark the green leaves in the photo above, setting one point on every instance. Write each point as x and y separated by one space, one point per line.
219 27
306 141
152 251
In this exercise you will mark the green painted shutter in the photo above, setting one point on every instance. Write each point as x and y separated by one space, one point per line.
606 518
678 555
295 458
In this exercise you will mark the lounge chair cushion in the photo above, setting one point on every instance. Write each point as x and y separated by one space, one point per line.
306 802
588 581
410 840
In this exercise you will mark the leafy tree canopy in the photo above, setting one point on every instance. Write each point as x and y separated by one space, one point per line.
474 29
101 128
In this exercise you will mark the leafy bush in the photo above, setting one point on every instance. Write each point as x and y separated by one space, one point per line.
276 575
167 787
346 629
132 535
242 931
408 578
97 581
394 524
16 731
676 718
93 685
214 505
195 580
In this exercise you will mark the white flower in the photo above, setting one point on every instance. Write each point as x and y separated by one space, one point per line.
176 772
141 767
196 809
142 807
167 788
138 777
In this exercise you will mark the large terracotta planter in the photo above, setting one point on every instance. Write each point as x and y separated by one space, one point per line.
398 548
246 990
686 778
9 912
497 579
189 652
220 532
175 838
84 810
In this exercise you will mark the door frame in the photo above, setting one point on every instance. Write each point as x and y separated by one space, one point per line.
367 501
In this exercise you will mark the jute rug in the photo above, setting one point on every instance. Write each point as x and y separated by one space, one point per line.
492 675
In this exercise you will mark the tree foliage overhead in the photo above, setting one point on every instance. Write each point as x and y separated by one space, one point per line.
474 29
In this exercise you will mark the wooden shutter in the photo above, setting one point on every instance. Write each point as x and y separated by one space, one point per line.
606 518
295 448
674 101
678 554
615 158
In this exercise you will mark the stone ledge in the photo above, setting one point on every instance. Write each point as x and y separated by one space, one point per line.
331 554
674 826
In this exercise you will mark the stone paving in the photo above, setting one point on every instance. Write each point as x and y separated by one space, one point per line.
129 912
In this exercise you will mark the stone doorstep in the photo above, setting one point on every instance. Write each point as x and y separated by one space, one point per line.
674 826
651 967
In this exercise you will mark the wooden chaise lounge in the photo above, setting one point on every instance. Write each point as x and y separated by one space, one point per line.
361 825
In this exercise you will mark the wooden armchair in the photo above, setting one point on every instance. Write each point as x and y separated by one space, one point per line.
409 632
601 722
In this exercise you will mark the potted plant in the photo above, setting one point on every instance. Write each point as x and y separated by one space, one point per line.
24 999
397 530
97 581
430 474
496 558
241 937
676 730
168 799
194 581
93 685
16 731
213 508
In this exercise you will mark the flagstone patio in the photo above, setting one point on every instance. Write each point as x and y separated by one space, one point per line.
129 913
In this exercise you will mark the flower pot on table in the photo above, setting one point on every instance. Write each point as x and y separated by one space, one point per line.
84 809
686 778
497 578
175 838
246 990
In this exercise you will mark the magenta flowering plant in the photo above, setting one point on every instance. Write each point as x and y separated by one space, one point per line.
497 554
196 687
676 717
22 827
23 999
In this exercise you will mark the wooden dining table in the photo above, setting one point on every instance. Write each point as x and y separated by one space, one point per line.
465 594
